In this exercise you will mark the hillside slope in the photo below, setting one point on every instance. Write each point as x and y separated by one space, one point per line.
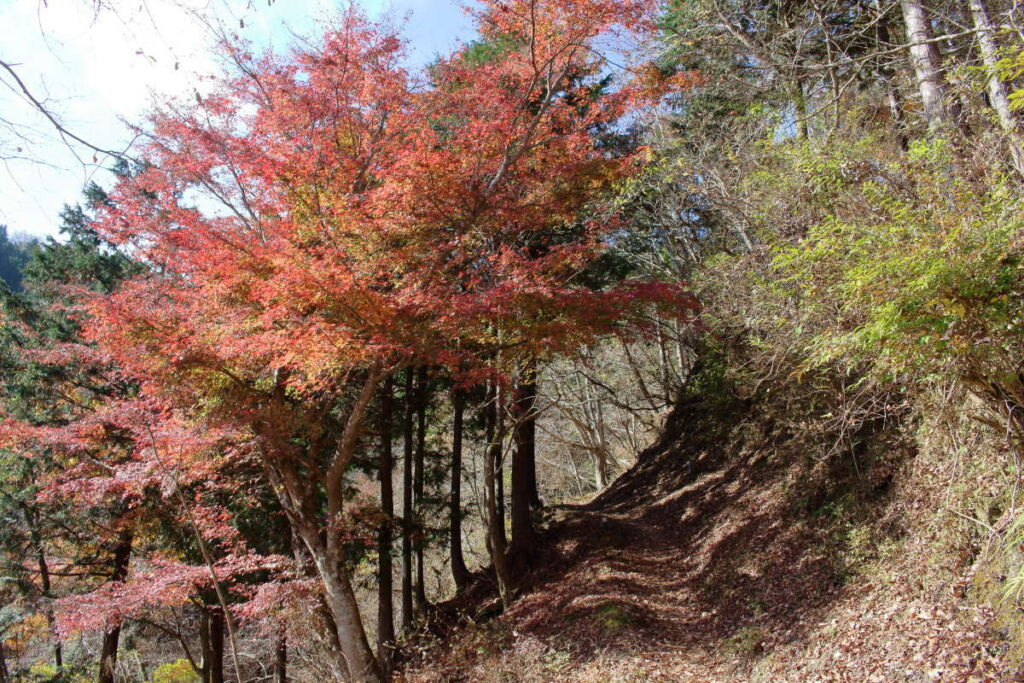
739 548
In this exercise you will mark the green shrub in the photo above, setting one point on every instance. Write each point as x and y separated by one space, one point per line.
178 671
923 281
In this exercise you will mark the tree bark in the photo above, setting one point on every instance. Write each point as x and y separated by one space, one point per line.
407 518
496 543
600 470
460 573
211 639
281 658
524 478
998 93
927 62
112 636
491 418
528 435
499 480
385 588
321 614
362 664
419 588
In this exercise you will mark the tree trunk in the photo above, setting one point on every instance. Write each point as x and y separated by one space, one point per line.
357 658
496 543
112 636
927 62
591 430
998 93
323 621
883 36
211 639
326 628
325 537
524 478
491 418
385 588
419 591
362 664
331 560
281 658
497 417
527 436
45 583
499 480
665 365
3 663
460 574
407 518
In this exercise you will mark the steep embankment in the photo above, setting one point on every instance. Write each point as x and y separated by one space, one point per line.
743 547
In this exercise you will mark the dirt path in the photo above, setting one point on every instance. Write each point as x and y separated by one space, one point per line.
695 573
706 565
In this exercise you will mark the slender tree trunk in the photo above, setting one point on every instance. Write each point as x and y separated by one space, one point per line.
496 543
883 36
998 93
600 470
460 574
281 658
211 640
112 637
407 514
527 435
927 62
491 418
665 365
45 583
385 587
3 664
593 436
419 592
524 493
499 479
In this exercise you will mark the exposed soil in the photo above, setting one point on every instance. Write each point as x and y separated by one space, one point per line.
734 554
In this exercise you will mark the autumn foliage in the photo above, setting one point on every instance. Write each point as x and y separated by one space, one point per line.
310 226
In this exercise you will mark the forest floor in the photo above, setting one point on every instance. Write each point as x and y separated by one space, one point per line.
739 563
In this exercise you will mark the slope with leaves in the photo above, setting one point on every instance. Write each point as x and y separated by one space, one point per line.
745 546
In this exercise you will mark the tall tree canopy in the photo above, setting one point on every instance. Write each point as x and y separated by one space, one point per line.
326 218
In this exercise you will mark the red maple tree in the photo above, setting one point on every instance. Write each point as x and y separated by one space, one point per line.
324 219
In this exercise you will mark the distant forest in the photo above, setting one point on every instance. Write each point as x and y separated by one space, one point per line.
14 254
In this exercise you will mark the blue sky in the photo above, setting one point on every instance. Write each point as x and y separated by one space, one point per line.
100 69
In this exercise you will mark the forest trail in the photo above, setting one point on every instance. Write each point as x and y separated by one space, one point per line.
685 567
712 563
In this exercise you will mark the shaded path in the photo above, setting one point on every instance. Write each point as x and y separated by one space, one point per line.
695 566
